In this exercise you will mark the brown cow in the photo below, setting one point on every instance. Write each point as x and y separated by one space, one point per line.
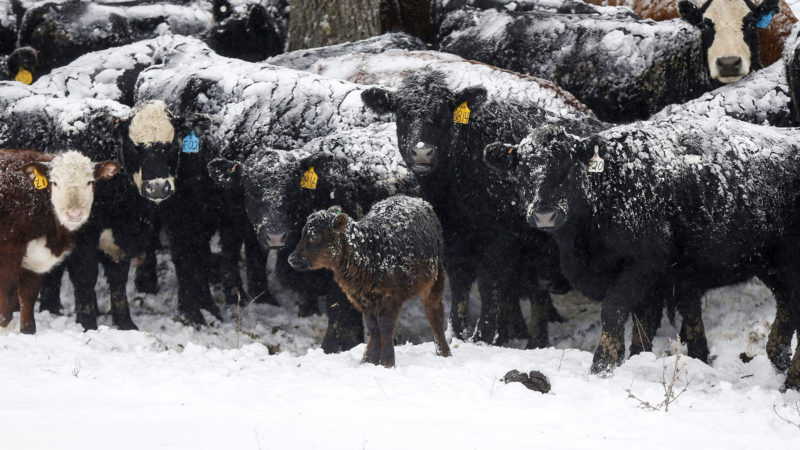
770 39
394 253
44 198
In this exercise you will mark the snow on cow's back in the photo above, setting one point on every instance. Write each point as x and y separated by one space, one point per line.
392 66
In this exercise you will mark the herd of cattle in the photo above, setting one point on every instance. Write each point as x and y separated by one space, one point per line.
640 153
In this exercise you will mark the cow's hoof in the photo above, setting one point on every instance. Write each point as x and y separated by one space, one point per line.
265 298
125 324
87 322
191 317
537 342
29 328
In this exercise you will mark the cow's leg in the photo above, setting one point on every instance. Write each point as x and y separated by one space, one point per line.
461 275
387 321
256 262
303 282
779 342
646 320
82 267
9 284
146 279
627 291
434 312
693 332
189 247
231 245
117 276
29 283
50 291
372 352
538 326
345 325
496 284
793 374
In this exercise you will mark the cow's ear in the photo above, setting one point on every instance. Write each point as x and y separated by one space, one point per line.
317 160
199 123
340 220
106 170
36 169
473 96
224 172
222 10
501 157
257 18
109 123
379 100
690 13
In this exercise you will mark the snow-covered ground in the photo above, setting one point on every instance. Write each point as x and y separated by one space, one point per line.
269 386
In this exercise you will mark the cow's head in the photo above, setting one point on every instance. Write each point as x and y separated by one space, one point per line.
278 191
248 33
425 108
729 35
70 177
152 144
322 240
550 171
22 63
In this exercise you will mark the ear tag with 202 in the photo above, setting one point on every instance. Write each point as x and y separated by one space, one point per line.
309 180
39 180
596 163
191 143
461 114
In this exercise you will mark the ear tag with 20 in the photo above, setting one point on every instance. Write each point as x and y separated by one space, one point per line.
309 180
39 180
461 114
191 143
765 20
596 163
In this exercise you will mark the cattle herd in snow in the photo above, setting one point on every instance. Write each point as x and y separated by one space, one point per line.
640 152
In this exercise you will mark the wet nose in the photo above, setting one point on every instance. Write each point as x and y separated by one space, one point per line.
276 239
423 153
74 214
729 66
549 219
295 263
157 189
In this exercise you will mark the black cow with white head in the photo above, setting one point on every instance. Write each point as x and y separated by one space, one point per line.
729 34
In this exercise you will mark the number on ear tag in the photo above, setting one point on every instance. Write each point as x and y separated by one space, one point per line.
24 76
461 114
309 180
191 143
765 20
596 163
39 180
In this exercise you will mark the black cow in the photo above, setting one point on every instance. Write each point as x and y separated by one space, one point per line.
354 169
62 31
622 69
699 204
441 135
253 33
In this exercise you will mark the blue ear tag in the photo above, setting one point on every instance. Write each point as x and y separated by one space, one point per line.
766 19
191 143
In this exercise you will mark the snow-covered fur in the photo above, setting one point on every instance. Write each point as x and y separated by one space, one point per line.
44 199
63 30
355 169
484 236
699 203
390 67
302 59
622 69
393 254
251 29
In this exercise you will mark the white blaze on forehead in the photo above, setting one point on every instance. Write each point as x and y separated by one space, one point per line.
70 178
151 124
728 16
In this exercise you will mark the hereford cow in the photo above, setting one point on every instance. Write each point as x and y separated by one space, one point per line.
441 135
44 200
622 69
393 254
700 203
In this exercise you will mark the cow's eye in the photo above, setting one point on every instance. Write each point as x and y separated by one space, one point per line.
53 183
313 239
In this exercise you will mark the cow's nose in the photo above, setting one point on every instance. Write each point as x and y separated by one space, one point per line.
729 66
74 215
275 240
158 189
548 219
422 156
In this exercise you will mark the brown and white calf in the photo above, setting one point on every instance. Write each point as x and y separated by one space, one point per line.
394 253
44 199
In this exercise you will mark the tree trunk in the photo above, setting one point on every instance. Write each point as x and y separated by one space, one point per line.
317 23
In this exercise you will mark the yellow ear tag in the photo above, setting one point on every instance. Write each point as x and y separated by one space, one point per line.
461 114
39 181
309 180
23 76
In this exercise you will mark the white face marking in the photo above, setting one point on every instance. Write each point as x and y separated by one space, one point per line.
109 246
151 124
727 16
71 179
38 258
